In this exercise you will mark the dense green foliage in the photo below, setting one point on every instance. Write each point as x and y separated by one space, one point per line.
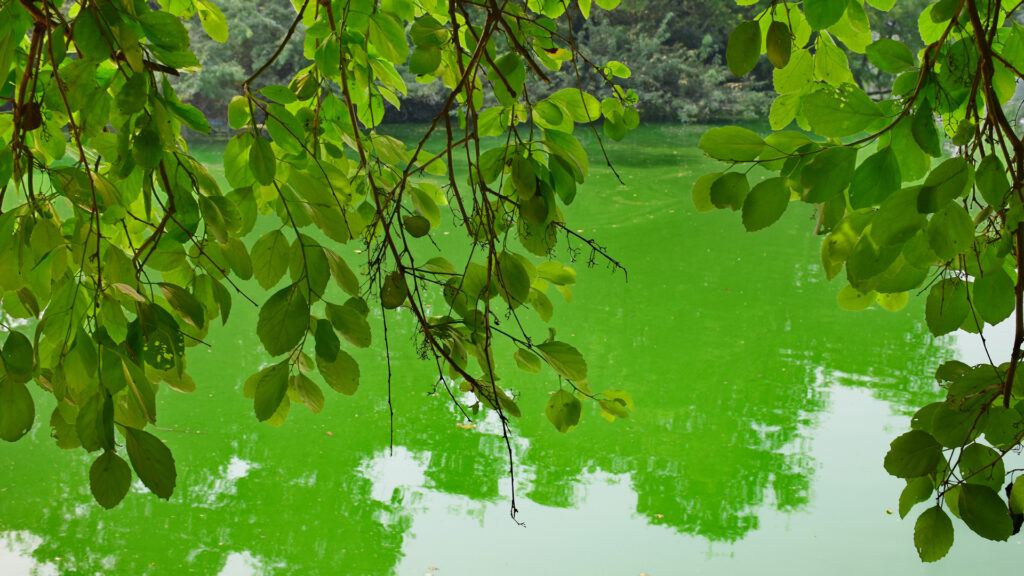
120 249
674 49
919 191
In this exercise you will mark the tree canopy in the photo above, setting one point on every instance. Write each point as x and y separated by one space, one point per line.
916 188
119 248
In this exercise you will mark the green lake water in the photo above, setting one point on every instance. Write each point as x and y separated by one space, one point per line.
762 416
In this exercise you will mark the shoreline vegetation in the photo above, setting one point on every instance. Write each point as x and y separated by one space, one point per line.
674 48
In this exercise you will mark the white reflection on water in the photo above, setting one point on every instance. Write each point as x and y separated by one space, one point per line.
213 491
16 555
242 564
998 338
393 473
844 529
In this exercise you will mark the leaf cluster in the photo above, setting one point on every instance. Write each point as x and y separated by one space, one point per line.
121 249
915 190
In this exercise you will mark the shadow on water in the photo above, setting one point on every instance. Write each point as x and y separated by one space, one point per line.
728 343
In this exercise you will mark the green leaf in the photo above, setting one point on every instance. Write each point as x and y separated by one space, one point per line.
980 464
797 75
270 258
568 149
425 59
840 113
17 411
994 295
152 462
283 320
327 342
350 321
984 512
308 392
18 357
1003 426
512 279
898 220
238 258
765 204
342 374
731 144
112 374
582 106
779 44
854 28
952 427
427 31
90 38
914 162
828 173
133 95
875 179
933 534
947 306
91 423
1017 496
185 304
271 386
849 298
165 30
564 359
831 63
110 477
528 361
893 302
563 410
615 404
868 260
236 161
190 115
147 149
285 129
890 55
915 453
393 291
388 36
701 192
951 231
744 48
951 371
426 205
946 182
916 491
238 112
821 14
342 274
729 190
783 111
262 161
213 20
416 226
925 133
992 181
556 273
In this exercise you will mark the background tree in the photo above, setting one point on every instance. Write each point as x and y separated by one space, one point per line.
254 28
676 51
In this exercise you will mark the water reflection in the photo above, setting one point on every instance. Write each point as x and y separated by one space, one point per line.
730 344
